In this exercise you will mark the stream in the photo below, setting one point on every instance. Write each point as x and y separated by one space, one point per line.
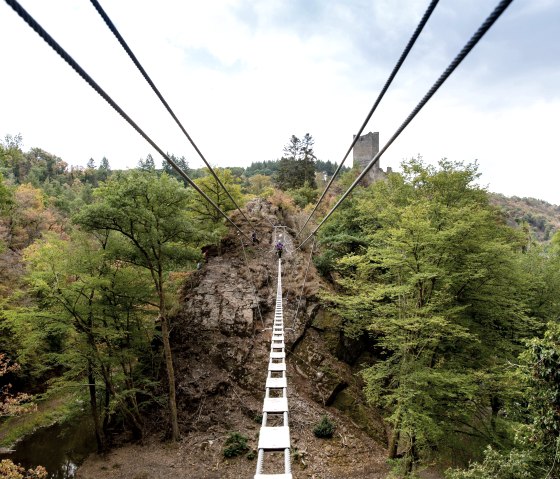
59 448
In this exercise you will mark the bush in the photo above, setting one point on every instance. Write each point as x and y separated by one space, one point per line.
236 445
325 428
9 470
252 455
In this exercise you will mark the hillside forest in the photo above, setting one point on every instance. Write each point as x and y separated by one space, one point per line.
455 291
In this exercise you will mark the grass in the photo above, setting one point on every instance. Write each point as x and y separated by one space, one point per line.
58 407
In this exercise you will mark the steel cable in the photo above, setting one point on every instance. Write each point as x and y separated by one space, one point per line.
500 8
89 80
252 282
396 68
304 281
131 55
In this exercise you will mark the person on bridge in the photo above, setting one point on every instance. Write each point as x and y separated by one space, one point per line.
279 248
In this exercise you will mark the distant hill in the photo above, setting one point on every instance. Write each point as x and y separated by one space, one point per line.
542 217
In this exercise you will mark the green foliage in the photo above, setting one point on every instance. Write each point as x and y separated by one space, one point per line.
92 319
181 162
515 465
329 167
203 210
324 428
235 445
297 166
536 404
427 267
148 213
304 195
542 376
147 164
260 185
6 196
265 168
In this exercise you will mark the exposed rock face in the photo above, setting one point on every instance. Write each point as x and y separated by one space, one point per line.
221 345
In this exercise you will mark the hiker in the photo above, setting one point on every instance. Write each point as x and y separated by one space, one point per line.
279 248
254 238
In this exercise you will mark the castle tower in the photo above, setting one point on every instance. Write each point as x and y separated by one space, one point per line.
364 151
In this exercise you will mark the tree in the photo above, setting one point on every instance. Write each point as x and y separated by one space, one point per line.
6 197
260 185
202 209
39 166
11 405
149 213
148 164
96 306
308 159
104 169
27 218
11 157
535 408
90 174
181 163
297 165
304 195
436 282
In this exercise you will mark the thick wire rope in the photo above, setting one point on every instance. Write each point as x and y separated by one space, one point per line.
252 282
304 281
448 71
131 55
89 80
396 68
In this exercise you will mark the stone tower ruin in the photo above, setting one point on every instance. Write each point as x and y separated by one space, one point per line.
364 151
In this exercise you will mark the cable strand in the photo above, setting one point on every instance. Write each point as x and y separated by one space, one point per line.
252 282
304 281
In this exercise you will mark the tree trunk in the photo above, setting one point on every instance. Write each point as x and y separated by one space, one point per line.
411 456
394 438
495 404
106 407
170 378
99 438
393 444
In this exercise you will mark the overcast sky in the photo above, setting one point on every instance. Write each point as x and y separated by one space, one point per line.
244 75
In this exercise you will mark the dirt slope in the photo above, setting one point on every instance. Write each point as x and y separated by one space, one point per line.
221 350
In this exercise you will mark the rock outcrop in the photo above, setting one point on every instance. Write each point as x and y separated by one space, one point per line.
222 342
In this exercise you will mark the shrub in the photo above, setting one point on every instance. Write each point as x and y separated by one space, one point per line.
236 445
324 429
9 470
252 455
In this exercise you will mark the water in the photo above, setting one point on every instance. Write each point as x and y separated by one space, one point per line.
59 448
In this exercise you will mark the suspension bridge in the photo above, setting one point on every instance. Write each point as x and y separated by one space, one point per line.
275 431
